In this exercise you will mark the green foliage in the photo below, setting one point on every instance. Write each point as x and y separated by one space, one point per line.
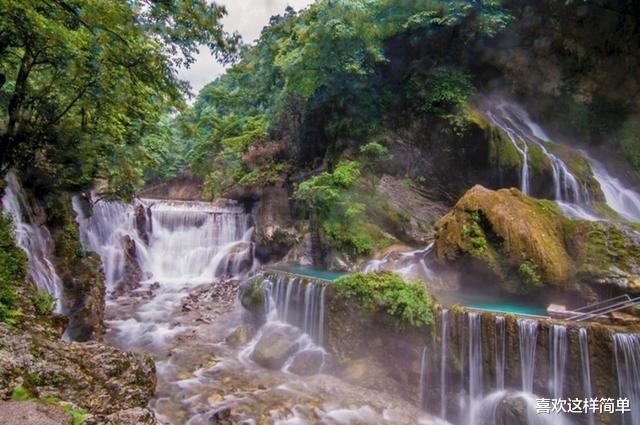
43 302
472 232
13 270
19 393
322 193
82 81
78 415
406 302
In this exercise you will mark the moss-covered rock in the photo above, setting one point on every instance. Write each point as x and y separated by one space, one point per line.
525 243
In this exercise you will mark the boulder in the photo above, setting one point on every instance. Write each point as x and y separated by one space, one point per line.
241 335
307 362
369 373
525 244
275 346
132 272
275 234
143 222
135 416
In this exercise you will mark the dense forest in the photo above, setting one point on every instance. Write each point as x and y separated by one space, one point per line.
332 211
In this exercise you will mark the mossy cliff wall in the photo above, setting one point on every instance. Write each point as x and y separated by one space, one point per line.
527 245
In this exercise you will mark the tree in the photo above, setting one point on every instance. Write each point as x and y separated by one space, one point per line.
89 77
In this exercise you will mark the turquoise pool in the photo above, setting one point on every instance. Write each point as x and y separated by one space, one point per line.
491 303
313 273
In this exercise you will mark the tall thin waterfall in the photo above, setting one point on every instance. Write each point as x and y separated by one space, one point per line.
476 372
527 336
586 370
500 351
558 358
424 373
443 363
297 301
627 357
33 238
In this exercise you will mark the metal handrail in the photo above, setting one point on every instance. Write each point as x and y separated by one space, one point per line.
605 310
587 307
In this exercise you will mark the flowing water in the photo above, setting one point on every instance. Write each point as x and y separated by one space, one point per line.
627 359
33 238
527 336
410 264
476 370
500 351
558 357
443 363
586 370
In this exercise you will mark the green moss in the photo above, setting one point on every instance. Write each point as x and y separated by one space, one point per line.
253 296
538 162
78 415
43 302
20 393
502 153
406 302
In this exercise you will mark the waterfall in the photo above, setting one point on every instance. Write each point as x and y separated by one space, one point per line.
527 336
586 370
500 350
424 360
627 359
476 373
409 265
33 238
443 363
558 358
298 302
621 199
104 232
570 195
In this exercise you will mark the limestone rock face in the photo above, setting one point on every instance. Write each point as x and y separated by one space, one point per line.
275 346
94 376
307 362
275 234
525 244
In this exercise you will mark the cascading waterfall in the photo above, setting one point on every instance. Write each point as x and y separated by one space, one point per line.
476 372
558 354
500 351
516 124
410 264
298 302
527 336
34 239
443 363
621 199
104 232
627 358
586 370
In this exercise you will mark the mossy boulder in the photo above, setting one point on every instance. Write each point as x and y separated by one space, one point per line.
526 244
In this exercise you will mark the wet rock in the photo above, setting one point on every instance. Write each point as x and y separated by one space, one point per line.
135 416
367 372
307 362
241 335
275 346
132 272
238 260
275 234
32 413
94 376
221 417
143 222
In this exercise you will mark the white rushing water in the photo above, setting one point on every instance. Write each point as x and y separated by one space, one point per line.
558 358
33 238
572 196
444 334
190 244
527 336
500 351
586 370
476 370
627 359
409 264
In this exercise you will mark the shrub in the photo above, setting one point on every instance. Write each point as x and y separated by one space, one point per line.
406 301
43 302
